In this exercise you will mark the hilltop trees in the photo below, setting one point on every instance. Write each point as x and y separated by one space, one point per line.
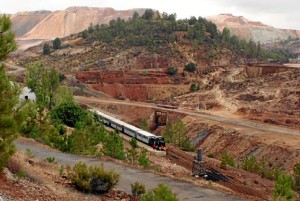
153 31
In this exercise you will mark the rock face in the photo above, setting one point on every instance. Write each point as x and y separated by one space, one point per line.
256 31
46 25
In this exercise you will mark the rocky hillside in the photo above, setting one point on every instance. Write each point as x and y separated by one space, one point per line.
256 31
35 25
32 26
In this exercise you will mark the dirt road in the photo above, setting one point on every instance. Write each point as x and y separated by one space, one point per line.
268 128
185 191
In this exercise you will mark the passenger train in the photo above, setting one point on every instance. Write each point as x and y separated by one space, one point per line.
139 134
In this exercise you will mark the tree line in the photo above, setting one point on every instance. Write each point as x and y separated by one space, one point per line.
153 29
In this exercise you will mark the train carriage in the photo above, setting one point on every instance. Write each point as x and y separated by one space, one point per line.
139 134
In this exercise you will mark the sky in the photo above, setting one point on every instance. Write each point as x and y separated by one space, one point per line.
277 13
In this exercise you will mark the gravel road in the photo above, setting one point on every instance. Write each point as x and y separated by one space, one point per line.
185 191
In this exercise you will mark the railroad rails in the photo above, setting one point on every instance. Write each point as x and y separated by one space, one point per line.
213 173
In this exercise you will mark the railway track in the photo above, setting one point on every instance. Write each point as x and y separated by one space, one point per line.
186 160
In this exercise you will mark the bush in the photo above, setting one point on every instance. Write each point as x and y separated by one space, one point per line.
50 160
68 113
113 146
194 87
172 70
86 136
210 155
190 67
226 160
46 49
133 143
143 159
297 176
93 179
283 188
57 43
161 192
137 189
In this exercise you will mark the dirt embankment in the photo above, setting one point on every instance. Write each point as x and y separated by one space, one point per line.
279 150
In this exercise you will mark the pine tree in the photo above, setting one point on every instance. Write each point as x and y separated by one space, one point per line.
57 43
8 95
46 49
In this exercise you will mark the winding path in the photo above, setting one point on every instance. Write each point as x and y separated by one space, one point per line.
184 190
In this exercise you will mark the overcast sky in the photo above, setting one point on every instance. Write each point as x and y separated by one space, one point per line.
276 13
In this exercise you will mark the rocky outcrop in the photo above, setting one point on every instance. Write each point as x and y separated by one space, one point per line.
255 31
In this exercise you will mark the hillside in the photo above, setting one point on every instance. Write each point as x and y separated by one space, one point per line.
32 26
255 31
131 60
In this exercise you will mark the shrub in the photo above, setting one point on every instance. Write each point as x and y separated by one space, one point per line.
210 155
57 43
194 87
297 176
145 73
161 192
113 146
68 113
133 143
190 67
226 160
283 188
143 159
172 70
50 160
46 49
93 179
29 153
137 189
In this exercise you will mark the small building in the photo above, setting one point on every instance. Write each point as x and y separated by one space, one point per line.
27 94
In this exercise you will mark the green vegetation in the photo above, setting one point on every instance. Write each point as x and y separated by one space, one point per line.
11 114
176 133
296 176
133 143
153 30
143 159
161 192
43 82
50 160
194 87
172 70
113 146
46 49
226 159
57 43
261 168
190 67
68 113
137 189
210 155
283 188
144 125
93 179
